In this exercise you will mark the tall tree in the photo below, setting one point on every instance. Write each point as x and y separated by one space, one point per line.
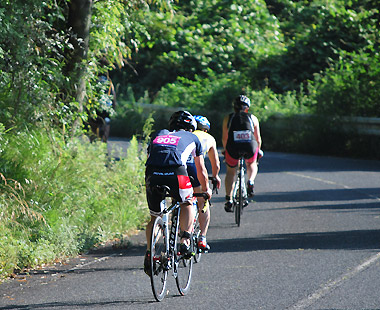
79 23
50 55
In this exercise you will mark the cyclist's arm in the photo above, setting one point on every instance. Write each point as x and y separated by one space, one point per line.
202 174
256 132
225 132
215 163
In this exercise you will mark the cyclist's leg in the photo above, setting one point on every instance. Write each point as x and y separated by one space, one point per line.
252 169
154 177
204 222
231 164
185 191
186 219
154 209
148 231
229 184
204 218
192 172
186 223
251 164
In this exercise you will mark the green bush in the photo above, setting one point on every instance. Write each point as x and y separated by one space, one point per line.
211 97
350 87
216 91
222 36
59 198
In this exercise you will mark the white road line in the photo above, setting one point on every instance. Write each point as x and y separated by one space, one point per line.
333 183
326 288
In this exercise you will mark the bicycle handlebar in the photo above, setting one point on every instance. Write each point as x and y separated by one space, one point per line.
203 195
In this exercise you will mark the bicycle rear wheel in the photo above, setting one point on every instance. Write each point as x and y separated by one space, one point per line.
159 259
183 271
239 200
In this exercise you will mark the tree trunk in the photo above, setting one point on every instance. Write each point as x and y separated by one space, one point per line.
79 21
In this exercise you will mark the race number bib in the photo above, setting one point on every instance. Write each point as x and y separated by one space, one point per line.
166 140
243 136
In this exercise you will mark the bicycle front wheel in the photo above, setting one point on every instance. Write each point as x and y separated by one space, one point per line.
196 235
183 271
159 260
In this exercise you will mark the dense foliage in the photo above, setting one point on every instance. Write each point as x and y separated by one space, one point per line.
60 195
39 67
31 60
58 199
209 51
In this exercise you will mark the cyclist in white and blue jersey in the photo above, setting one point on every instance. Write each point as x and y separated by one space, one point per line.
208 148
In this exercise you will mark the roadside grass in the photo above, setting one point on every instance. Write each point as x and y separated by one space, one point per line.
59 198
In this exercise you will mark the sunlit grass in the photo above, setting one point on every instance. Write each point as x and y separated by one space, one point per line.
59 198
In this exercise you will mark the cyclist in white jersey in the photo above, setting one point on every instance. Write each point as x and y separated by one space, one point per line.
208 148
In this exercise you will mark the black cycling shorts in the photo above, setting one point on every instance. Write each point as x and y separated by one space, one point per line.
247 150
192 171
176 178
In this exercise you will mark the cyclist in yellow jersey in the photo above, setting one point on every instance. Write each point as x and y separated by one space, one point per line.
208 147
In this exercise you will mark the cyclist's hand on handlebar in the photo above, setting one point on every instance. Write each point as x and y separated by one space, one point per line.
218 182
209 193
261 153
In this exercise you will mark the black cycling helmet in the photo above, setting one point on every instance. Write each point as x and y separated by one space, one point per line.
182 120
240 101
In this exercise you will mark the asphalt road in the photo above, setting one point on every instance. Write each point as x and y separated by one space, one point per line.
310 239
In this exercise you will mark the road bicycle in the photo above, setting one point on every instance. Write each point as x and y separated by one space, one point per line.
164 248
239 194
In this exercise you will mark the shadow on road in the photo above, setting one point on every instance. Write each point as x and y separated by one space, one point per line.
339 240
77 305
347 207
319 195
280 162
